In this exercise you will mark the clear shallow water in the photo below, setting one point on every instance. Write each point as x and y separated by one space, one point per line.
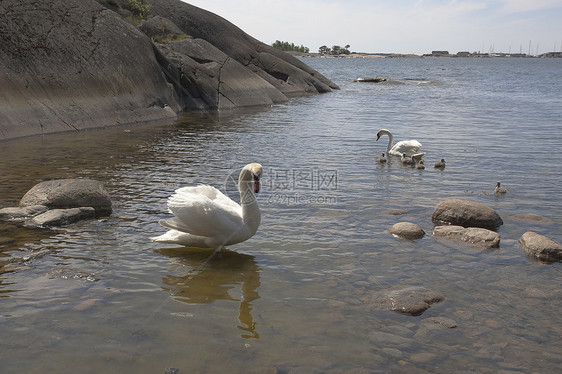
106 299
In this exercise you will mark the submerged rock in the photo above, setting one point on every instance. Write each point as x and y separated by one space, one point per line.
69 193
61 217
21 213
531 218
473 235
467 214
541 247
407 230
410 300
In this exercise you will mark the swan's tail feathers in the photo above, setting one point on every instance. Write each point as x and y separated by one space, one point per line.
174 224
418 156
177 237
170 237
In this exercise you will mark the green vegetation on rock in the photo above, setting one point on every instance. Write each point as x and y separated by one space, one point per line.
289 47
140 8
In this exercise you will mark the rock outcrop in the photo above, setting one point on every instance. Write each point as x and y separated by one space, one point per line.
73 65
283 71
541 247
68 65
467 214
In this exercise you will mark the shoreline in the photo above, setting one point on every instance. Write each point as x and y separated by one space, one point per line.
429 55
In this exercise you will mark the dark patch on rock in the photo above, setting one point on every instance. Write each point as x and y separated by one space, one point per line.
161 30
467 214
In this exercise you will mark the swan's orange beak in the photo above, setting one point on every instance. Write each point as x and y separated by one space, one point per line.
256 184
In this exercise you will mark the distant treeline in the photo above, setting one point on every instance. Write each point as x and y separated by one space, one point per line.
290 47
324 50
335 50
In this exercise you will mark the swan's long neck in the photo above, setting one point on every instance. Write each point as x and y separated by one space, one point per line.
390 141
250 209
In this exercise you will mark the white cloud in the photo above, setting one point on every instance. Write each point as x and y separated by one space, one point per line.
517 6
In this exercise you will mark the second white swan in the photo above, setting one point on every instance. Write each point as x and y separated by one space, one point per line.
410 147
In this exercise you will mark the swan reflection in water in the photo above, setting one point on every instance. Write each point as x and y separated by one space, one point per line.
205 281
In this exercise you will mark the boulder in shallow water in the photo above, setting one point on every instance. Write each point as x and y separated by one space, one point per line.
541 247
467 214
69 193
407 230
473 235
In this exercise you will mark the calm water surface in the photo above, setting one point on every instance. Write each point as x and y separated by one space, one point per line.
104 299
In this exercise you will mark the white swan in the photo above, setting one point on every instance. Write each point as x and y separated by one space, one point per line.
204 217
405 146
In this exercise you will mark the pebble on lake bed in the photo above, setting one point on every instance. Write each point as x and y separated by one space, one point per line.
410 300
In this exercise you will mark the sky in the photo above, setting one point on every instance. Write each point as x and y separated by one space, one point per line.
400 26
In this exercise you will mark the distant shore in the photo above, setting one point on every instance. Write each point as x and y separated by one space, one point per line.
432 54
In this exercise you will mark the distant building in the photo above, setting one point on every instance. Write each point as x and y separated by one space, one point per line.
463 54
440 53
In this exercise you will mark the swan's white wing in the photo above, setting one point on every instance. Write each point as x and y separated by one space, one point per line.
203 211
211 192
405 146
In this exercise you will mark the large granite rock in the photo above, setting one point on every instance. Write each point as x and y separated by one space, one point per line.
467 214
475 236
288 74
68 65
69 193
541 247
206 78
